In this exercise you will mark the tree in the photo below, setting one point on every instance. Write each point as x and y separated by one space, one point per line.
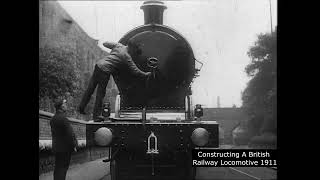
57 73
260 96
60 75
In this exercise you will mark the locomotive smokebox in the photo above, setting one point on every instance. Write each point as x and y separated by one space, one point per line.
153 12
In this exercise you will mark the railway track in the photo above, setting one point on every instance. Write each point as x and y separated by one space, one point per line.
274 168
244 173
235 173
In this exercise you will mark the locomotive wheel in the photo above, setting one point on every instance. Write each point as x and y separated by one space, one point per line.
113 170
193 173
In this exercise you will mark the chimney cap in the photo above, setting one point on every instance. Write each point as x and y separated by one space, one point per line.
153 3
153 11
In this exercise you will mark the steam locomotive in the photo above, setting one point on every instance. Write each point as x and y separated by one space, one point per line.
155 126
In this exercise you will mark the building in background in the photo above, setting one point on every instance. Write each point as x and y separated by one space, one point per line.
228 118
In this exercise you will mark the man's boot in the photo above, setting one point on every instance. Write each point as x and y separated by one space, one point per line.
98 118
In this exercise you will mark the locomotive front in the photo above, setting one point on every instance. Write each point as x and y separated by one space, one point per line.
154 130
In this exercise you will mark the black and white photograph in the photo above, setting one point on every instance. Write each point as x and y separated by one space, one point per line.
158 90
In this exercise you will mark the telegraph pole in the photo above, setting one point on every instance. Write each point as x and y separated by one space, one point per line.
96 17
270 15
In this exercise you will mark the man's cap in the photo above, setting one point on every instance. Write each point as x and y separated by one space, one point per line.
58 102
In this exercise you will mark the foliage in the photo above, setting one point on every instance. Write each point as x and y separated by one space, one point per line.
46 145
260 96
60 75
264 141
57 75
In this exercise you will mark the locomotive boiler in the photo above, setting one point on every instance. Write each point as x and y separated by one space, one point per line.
154 128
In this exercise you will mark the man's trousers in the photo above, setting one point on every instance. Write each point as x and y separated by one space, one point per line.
62 161
99 78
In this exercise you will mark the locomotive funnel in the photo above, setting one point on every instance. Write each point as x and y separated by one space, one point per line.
153 11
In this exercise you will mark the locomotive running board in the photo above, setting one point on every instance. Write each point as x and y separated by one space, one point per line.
155 116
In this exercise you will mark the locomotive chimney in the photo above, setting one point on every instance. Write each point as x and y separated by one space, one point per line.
153 11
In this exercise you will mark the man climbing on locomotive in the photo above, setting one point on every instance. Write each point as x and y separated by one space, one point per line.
119 57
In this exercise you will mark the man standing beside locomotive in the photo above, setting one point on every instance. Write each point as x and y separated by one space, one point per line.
119 56
64 141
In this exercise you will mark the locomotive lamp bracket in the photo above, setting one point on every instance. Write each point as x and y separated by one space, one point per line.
152 62
199 68
152 150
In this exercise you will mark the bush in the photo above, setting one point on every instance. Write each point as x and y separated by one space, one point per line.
266 140
241 140
57 75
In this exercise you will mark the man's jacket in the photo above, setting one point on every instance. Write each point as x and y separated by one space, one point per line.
118 59
63 137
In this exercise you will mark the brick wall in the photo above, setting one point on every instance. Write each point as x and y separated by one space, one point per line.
44 128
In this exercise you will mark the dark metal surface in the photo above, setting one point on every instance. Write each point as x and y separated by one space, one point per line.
153 12
175 71
153 166
171 136
130 141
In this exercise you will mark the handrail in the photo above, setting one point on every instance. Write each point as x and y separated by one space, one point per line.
50 115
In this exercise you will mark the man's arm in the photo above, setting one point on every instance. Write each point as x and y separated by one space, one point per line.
74 140
70 135
109 45
134 69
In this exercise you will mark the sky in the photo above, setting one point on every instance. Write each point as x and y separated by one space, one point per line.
220 33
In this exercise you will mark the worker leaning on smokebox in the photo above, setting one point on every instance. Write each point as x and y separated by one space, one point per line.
119 57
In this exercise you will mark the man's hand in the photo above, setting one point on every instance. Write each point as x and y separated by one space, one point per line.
75 149
148 74
109 45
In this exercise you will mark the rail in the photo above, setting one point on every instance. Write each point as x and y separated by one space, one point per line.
249 175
